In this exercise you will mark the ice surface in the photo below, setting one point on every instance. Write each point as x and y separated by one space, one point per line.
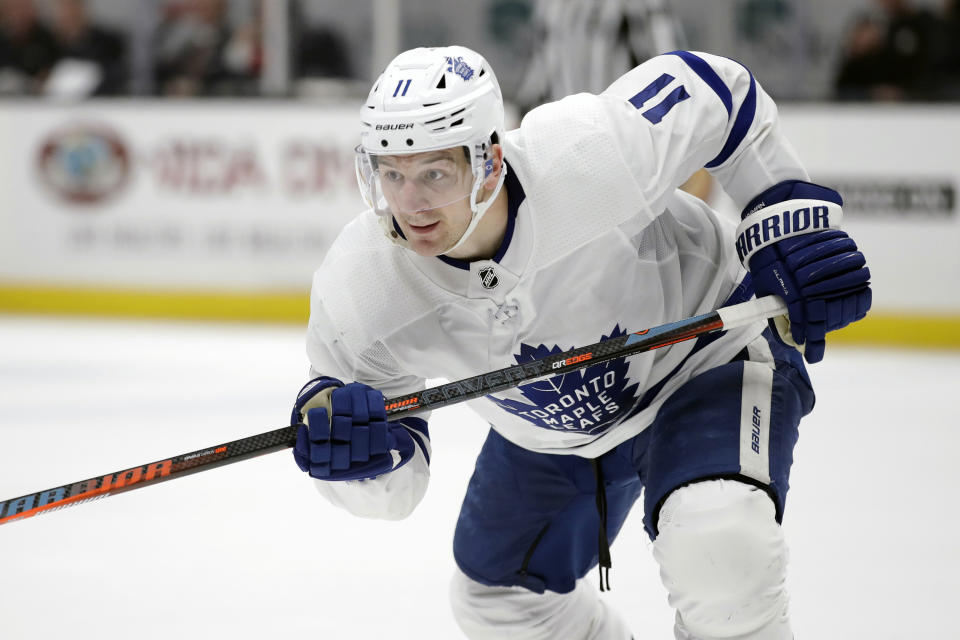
251 551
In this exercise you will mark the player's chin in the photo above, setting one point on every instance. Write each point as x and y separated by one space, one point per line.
428 246
429 240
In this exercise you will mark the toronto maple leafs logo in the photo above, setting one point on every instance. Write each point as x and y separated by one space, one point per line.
458 66
588 400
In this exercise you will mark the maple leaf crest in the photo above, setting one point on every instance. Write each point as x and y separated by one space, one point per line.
588 400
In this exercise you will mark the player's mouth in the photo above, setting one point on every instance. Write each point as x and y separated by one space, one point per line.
423 228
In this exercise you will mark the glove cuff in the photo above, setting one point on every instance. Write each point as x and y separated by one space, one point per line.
315 393
791 190
781 220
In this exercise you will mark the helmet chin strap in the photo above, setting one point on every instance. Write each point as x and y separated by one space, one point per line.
479 208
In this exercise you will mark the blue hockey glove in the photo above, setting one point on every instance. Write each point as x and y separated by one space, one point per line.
344 434
790 241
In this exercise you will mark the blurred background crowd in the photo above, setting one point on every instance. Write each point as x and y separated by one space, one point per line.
813 50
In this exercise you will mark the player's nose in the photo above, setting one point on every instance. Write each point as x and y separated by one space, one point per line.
411 198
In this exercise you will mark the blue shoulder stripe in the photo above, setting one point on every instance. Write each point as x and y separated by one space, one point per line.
740 126
744 115
708 75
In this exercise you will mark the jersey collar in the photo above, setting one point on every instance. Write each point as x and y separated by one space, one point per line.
515 197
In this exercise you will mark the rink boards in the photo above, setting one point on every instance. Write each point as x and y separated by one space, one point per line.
222 210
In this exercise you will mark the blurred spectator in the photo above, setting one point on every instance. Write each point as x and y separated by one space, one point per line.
320 52
27 49
320 62
889 57
948 52
79 42
863 70
198 53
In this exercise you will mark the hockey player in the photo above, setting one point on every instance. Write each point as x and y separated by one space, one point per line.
484 248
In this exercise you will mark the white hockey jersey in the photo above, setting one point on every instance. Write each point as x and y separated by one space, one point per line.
600 242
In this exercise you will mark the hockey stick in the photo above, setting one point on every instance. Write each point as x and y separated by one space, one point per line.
433 398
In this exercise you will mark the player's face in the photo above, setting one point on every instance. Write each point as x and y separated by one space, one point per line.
429 196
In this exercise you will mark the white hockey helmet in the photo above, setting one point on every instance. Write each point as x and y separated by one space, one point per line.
429 99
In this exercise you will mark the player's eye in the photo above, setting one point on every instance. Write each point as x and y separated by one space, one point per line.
435 175
391 175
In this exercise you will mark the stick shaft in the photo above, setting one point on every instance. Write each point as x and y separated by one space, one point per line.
633 343
432 398
147 474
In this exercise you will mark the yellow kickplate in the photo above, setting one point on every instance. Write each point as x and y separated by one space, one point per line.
902 330
878 328
287 307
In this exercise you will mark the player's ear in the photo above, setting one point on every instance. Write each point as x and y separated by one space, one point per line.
492 166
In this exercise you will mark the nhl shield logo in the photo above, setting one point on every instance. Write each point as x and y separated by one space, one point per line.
488 278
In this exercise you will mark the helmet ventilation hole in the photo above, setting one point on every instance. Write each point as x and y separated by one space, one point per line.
409 142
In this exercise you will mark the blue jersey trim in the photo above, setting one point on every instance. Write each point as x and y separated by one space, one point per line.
454 262
417 428
740 126
708 75
515 197
416 423
651 90
745 113
419 440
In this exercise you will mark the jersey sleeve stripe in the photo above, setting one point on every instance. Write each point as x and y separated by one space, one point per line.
655 114
417 424
418 437
745 113
651 90
708 75
740 126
